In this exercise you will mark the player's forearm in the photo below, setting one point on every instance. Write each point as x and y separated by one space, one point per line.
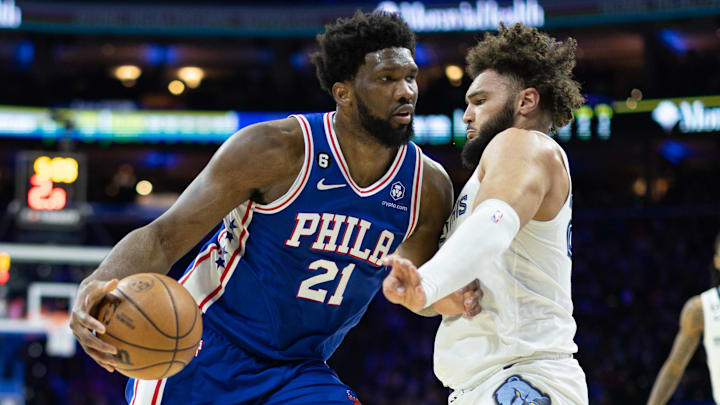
450 305
140 251
664 387
480 240
428 312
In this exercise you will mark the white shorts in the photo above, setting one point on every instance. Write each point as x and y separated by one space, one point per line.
537 382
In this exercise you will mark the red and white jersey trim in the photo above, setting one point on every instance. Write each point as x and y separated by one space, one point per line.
416 193
302 178
148 392
213 267
337 152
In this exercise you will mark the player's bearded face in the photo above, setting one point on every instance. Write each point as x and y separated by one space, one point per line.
502 120
382 129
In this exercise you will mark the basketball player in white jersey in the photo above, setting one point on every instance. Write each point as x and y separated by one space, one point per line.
700 317
510 229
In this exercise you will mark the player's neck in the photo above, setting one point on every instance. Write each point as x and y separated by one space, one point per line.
367 159
535 123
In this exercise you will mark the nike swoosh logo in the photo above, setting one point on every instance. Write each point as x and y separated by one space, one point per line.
322 186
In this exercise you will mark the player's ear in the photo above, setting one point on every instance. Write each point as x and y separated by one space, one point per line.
342 93
529 100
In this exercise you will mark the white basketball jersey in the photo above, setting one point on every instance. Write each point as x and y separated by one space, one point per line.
711 339
526 307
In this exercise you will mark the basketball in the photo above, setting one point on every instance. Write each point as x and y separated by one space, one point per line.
153 322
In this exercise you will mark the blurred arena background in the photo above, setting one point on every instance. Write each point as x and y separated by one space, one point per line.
120 104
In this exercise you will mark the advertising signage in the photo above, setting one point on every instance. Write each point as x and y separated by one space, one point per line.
687 116
213 127
680 116
466 16
292 20
10 14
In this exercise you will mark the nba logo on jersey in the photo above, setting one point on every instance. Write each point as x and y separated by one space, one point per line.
496 216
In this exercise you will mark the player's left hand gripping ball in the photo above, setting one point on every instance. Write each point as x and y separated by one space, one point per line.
402 286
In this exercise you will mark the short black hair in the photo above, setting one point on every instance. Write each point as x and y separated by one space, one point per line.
533 59
345 43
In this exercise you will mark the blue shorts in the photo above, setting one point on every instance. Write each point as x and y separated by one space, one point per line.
224 374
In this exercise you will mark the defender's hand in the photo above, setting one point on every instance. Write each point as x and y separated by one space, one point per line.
83 324
402 286
465 301
471 296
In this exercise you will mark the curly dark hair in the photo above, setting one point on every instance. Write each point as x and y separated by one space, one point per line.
345 43
532 59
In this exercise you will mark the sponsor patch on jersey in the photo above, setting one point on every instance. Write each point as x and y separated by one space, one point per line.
394 205
516 391
397 191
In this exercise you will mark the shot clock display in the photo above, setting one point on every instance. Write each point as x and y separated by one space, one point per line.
51 189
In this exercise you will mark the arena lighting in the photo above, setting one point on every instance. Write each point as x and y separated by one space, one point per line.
176 87
483 15
144 187
454 73
127 74
639 187
10 14
673 40
191 75
636 94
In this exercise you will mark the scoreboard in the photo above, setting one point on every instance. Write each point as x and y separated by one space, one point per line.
50 189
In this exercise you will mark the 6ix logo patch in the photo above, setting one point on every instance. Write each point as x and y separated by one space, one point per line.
397 191
323 160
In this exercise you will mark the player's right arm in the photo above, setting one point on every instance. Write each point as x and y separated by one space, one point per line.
686 342
254 163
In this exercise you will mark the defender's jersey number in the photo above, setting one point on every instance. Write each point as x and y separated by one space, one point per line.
331 269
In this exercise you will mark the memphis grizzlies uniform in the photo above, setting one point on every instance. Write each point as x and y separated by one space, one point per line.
521 344
711 336
281 284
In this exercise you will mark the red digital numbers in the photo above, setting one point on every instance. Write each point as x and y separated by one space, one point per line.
43 196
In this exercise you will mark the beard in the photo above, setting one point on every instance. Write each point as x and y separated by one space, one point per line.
473 149
382 129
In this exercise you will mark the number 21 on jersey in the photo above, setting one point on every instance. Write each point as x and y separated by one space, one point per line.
331 270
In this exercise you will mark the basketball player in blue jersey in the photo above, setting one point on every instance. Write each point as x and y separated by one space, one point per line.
510 230
309 206
700 318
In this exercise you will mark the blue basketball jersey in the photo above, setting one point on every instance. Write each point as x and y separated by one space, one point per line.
287 280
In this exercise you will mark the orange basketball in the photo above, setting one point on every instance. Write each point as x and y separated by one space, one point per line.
155 324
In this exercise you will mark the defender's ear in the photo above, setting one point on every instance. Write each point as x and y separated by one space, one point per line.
529 101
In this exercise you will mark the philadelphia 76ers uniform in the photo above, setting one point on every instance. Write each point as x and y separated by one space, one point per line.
281 284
